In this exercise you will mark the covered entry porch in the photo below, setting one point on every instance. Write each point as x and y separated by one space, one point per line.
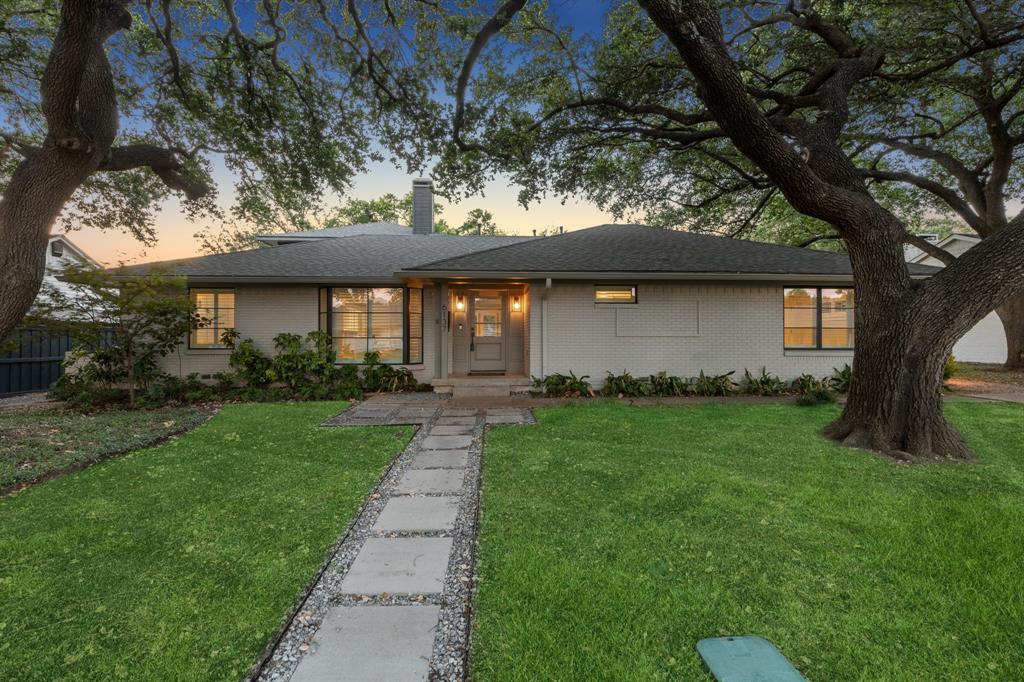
483 328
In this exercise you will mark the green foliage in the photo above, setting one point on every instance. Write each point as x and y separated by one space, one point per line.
841 379
291 363
251 365
564 386
478 222
670 386
807 383
949 369
717 385
123 327
625 385
816 396
380 377
765 384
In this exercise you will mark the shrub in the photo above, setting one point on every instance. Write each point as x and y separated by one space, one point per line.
625 384
664 385
764 384
251 365
290 364
817 396
379 377
806 383
562 385
949 369
841 379
718 385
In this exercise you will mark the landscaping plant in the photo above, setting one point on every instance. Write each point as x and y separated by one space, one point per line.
718 385
625 385
764 384
564 386
123 328
670 386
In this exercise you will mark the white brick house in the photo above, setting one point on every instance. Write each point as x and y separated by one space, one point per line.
471 310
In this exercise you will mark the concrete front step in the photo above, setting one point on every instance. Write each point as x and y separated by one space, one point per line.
483 386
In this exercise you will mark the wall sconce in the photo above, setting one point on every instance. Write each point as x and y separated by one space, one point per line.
517 304
460 302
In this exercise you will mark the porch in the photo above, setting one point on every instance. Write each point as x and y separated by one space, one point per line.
483 336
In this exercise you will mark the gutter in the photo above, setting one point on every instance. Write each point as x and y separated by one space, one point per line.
624 275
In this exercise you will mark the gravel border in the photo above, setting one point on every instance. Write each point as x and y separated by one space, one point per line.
450 659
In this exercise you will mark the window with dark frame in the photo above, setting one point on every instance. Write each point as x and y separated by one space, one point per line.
818 318
386 320
216 308
625 293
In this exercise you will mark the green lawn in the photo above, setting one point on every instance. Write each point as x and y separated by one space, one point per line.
178 562
34 443
615 537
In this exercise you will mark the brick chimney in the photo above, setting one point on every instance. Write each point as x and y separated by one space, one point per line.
422 206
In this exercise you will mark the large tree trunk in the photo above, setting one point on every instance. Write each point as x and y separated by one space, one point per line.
895 400
1011 314
80 105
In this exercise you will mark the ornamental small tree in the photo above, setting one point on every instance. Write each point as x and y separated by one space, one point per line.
122 328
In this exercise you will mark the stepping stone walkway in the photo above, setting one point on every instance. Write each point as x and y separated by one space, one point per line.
393 601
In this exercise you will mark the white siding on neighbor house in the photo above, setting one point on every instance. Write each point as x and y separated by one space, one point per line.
261 313
677 327
986 341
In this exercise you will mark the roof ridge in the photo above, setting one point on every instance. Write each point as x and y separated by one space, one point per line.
525 238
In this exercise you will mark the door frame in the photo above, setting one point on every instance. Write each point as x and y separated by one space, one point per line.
472 294
468 289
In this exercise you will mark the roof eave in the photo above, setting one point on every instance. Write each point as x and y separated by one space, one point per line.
697 276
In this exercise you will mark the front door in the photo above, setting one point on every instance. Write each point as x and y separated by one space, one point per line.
487 331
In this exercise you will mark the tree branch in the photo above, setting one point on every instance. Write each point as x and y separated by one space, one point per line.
928 247
163 162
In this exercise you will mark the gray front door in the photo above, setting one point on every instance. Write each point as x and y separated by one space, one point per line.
487 331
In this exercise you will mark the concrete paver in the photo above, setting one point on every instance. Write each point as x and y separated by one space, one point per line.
399 566
371 644
418 514
440 459
452 430
446 442
428 481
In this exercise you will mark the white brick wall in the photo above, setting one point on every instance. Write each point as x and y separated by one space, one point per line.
261 313
714 327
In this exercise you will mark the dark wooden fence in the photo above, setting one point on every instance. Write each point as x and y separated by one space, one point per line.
35 362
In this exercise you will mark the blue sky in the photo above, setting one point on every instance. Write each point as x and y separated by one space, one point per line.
175 233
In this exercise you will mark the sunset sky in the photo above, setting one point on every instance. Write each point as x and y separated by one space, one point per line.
175 232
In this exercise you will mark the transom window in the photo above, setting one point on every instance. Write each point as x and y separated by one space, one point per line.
216 307
385 320
818 317
615 294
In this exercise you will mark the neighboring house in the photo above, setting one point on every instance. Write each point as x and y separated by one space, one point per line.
61 252
476 311
986 341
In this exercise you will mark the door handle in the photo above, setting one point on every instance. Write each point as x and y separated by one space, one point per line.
472 338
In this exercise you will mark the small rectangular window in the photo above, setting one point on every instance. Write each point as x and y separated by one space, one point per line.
216 310
816 317
615 294
56 249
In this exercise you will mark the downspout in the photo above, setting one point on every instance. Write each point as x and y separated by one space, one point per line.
544 327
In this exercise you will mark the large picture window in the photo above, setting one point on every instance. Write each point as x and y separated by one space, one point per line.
217 309
818 317
385 320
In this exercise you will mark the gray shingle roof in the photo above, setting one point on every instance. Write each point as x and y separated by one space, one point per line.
366 257
340 231
642 249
